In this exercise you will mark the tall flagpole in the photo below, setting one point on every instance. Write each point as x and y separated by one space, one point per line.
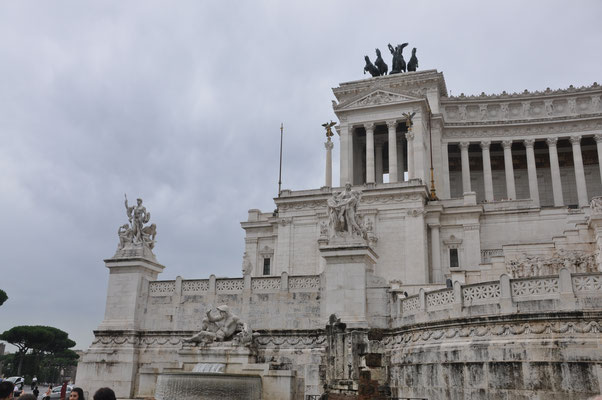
280 173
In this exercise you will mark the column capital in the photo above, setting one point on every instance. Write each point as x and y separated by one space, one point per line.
328 145
529 142
391 123
410 135
598 137
485 144
576 139
551 141
464 145
507 144
369 126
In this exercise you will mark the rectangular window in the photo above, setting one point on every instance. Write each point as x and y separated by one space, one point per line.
266 266
453 258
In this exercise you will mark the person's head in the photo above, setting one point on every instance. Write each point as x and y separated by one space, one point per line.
139 201
27 396
6 390
77 394
104 394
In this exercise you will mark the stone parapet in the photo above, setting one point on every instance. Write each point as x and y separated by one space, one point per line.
213 285
563 292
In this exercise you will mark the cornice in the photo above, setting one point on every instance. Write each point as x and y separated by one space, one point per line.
525 95
542 128
405 81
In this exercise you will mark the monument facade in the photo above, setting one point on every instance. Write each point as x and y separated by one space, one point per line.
458 258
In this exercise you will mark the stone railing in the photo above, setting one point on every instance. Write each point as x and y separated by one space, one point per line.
563 292
213 285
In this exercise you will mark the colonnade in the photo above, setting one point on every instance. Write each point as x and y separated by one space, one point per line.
531 168
374 162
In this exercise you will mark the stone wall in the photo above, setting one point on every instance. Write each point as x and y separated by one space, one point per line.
280 302
513 338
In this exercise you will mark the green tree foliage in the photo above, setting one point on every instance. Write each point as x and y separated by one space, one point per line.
3 297
40 340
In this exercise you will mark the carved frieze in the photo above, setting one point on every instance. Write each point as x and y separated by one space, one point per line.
493 331
291 341
531 266
557 128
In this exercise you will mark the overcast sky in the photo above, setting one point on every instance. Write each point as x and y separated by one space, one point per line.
180 103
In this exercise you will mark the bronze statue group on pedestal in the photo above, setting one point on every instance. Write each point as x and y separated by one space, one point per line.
398 64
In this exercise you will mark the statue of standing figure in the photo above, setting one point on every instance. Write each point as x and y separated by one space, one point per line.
399 64
135 233
342 211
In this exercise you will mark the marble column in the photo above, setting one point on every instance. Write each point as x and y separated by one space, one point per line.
445 170
487 177
531 171
579 172
346 155
465 167
410 140
598 138
509 167
378 160
400 158
328 145
555 171
392 125
436 254
369 152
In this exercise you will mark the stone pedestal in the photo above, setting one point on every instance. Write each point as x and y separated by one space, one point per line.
129 276
113 357
345 278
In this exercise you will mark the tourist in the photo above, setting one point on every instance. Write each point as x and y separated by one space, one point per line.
47 394
76 394
64 390
36 391
104 394
6 390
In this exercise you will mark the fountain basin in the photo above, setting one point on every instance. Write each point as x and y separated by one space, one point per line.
207 386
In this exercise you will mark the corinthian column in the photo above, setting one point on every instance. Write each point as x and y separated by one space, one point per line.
532 172
555 171
392 125
579 172
378 160
410 140
487 170
328 145
510 188
598 138
369 152
465 167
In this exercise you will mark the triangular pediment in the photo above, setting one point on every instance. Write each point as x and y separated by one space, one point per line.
376 98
